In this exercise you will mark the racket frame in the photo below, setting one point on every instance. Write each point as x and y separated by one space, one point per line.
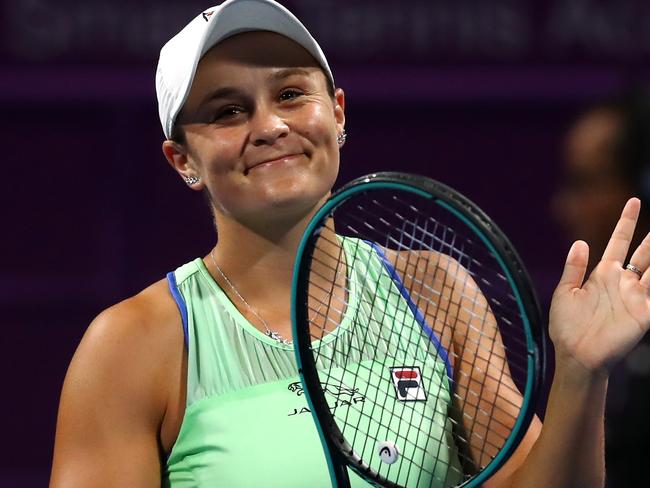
333 441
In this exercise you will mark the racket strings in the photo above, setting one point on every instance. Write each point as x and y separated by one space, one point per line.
520 341
350 330
375 403
437 406
373 414
477 395
474 424
397 434
459 254
460 372
471 312
340 310
429 240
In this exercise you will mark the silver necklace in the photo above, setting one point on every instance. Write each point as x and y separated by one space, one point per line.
269 333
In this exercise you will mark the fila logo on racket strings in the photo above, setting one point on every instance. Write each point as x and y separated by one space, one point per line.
408 383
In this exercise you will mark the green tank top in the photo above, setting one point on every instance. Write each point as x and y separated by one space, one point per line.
247 423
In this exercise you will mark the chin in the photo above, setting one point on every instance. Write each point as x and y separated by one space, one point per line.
298 204
292 189
294 202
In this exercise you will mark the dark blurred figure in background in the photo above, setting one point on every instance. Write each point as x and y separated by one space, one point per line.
607 160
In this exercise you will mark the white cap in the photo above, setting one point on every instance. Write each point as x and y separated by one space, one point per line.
180 56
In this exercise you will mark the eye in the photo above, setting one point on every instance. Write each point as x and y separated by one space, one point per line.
290 94
227 112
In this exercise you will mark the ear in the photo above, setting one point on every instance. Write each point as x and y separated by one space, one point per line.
177 156
339 110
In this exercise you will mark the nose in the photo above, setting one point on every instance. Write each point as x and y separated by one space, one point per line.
267 126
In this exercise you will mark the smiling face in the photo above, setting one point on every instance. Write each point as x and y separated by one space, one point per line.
260 128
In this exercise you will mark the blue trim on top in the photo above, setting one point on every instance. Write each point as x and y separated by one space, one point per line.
415 310
180 301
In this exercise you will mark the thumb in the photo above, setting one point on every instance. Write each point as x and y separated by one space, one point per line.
575 266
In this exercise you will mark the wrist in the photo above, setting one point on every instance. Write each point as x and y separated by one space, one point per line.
572 371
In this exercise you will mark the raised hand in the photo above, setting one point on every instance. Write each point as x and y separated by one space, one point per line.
597 322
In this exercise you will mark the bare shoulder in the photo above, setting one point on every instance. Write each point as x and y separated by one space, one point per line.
431 278
430 274
122 383
421 261
133 349
148 320
140 330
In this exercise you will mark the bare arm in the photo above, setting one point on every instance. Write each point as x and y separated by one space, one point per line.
113 403
570 448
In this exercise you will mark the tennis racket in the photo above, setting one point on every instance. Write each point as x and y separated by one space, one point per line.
417 335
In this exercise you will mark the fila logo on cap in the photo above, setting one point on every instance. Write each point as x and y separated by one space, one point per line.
207 15
408 383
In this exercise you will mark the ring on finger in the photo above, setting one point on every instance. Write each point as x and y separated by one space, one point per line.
634 269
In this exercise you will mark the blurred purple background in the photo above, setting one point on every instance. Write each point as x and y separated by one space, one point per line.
476 94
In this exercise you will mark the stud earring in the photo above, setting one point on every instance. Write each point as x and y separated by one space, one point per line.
341 138
191 180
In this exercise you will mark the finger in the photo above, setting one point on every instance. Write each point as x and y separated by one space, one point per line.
619 243
645 280
641 256
575 266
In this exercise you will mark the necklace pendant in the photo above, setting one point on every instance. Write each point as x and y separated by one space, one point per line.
277 337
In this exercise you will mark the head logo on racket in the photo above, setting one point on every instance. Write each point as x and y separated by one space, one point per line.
388 452
408 383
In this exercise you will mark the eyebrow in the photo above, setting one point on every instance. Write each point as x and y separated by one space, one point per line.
287 72
223 92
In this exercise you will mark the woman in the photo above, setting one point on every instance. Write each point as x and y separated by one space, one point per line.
185 384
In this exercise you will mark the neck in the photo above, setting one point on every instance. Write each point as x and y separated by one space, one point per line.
259 260
267 248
